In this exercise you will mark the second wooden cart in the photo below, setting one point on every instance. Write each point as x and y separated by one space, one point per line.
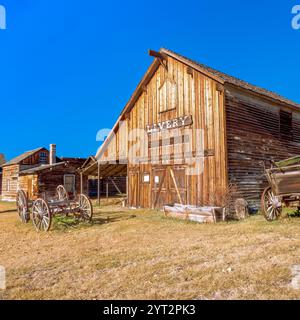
283 189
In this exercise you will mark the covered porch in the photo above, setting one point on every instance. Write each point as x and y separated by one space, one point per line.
113 173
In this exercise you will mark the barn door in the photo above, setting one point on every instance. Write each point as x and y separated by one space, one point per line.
133 194
160 188
169 186
177 185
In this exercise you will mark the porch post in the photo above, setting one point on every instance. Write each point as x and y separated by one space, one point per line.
107 191
98 184
127 189
81 183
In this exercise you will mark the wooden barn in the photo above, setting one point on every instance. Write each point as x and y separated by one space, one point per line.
191 134
38 172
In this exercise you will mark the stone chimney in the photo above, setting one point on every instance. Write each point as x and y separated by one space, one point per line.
52 155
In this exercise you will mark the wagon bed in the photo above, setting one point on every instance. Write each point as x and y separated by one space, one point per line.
42 210
283 189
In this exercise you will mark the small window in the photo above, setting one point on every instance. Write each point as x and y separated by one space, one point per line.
43 158
69 182
156 179
286 125
168 96
146 178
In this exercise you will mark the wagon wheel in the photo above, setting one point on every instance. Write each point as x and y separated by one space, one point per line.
62 193
22 206
271 205
85 208
41 215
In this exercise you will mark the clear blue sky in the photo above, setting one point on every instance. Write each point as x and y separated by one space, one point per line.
67 68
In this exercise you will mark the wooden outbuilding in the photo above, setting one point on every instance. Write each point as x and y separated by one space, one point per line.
38 172
104 178
193 135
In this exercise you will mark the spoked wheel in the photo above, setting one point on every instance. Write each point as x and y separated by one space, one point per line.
62 193
271 205
85 208
41 215
22 206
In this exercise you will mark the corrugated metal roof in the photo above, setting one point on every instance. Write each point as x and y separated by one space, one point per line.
22 157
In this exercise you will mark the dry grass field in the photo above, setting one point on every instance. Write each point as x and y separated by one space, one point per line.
136 254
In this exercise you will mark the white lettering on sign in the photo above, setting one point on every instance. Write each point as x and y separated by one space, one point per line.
170 124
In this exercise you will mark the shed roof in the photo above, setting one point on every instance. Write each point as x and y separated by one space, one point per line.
22 157
90 160
107 169
42 167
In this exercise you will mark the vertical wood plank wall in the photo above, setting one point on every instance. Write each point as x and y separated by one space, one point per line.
197 96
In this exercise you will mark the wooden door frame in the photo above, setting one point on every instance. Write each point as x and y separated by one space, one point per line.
70 175
158 191
135 172
30 187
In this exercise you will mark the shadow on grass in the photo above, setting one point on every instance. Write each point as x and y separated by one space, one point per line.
9 210
63 223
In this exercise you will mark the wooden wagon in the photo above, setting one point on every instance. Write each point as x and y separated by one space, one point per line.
283 189
42 210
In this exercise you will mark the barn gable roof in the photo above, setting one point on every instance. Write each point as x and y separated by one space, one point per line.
219 76
22 157
225 78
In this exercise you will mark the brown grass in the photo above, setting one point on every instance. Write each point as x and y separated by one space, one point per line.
142 255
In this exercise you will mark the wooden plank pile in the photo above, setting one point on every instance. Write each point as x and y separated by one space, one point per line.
194 213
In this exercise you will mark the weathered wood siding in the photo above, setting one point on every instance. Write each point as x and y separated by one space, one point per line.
49 180
253 137
45 183
11 173
9 182
35 159
117 147
199 96
40 183
29 184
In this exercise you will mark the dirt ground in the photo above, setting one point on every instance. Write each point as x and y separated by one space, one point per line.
138 254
